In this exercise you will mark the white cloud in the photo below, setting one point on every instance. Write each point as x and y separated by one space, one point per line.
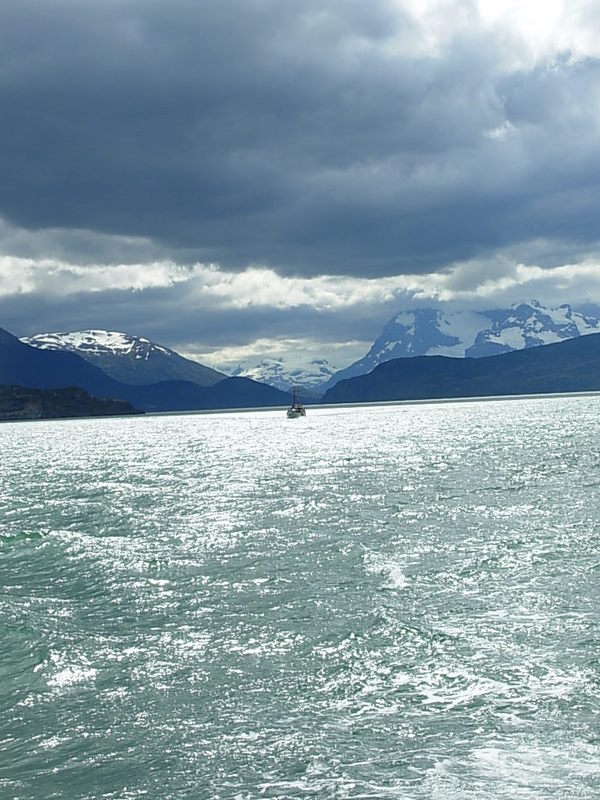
206 285
544 27
52 277
502 279
530 30
259 286
255 286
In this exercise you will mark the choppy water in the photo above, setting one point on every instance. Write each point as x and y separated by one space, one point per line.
384 602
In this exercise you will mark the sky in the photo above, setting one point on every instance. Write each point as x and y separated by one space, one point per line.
240 179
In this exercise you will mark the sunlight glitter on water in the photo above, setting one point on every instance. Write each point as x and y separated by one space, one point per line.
396 601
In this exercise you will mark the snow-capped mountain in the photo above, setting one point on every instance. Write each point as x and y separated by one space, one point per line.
277 373
460 334
129 359
529 325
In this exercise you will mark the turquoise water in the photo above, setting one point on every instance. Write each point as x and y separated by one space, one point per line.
383 602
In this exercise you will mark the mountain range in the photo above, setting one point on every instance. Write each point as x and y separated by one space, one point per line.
572 365
468 334
33 367
412 333
151 377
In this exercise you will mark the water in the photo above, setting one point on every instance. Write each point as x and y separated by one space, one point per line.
383 602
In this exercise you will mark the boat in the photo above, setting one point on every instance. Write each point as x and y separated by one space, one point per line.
296 409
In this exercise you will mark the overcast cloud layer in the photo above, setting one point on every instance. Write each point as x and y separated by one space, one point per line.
450 149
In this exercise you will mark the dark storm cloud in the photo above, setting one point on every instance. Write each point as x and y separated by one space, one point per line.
308 136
